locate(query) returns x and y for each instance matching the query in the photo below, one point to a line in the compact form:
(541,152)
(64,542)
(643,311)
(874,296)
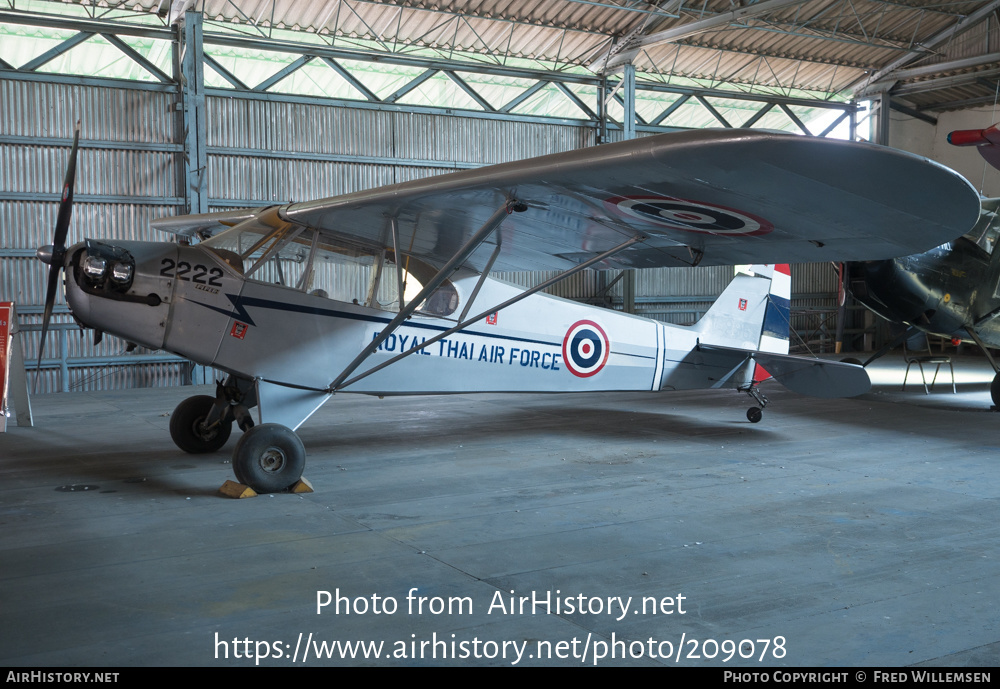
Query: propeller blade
(58,253)
(66,203)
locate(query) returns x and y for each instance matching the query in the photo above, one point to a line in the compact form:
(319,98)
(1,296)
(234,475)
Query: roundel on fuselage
(585,348)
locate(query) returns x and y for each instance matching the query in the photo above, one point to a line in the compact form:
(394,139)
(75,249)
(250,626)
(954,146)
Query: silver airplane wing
(205,224)
(708,197)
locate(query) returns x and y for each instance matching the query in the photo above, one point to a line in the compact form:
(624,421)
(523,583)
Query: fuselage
(944,291)
(199,304)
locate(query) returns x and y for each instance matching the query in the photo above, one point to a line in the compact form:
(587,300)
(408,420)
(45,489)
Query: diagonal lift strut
(464,324)
(473,243)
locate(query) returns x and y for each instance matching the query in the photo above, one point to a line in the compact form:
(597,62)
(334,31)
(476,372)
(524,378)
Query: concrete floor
(859,532)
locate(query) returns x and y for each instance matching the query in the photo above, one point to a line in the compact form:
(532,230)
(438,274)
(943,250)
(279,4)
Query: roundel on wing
(689,216)
(585,348)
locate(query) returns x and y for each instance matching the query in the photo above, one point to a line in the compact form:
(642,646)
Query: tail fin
(752,313)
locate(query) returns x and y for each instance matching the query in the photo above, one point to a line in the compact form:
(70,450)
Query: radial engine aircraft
(299,302)
(953,290)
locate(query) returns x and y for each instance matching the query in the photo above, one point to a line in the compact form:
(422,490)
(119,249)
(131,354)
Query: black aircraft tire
(754,414)
(995,390)
(184,426)
(269,458)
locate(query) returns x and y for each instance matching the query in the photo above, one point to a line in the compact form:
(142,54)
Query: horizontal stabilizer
(809,376)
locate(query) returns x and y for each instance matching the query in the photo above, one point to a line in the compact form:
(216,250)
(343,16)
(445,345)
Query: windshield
(303,259)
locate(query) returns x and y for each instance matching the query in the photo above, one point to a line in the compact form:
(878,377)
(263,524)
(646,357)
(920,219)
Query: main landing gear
(196,426)
(269,458)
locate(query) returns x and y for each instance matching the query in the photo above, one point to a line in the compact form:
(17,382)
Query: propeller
(56,253)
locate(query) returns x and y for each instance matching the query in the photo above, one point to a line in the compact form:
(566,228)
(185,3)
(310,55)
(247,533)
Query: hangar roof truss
(520,57)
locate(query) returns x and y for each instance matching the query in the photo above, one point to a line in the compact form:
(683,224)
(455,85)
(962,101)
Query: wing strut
(397,258)
(527,293)
(482,279)
(450,267)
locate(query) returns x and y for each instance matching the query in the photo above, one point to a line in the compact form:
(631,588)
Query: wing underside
(708,197)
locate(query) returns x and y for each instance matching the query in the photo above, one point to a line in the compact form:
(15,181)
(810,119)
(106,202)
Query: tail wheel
(269,458)
(188,429)
(754,414)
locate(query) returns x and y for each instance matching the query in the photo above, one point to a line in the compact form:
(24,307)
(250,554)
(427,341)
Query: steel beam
(628,101)
(928,45)
(136,57)
(684,30)
(906,110)
(56,51)
(193,112)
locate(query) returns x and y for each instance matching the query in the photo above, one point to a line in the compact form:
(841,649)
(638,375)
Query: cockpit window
(413,274)
(303,259)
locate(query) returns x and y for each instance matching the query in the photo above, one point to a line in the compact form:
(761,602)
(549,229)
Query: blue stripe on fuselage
(241,304)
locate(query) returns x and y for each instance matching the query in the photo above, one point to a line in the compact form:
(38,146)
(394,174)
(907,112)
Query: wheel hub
(205,432)
(272,459)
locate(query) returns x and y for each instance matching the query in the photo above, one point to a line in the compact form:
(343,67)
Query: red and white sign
(6,317)
(14,400)
(239,330)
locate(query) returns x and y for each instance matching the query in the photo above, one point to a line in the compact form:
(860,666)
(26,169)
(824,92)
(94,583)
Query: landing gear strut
(995,385)
(196,426)
(202,424)
(754,414)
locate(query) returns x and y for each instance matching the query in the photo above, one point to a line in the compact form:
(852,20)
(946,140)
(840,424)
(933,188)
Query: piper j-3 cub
(272,297)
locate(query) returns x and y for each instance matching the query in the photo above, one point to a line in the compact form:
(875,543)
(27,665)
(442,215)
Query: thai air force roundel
(585,348)
(689,216)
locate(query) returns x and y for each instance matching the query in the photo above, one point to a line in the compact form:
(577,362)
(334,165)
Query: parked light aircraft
(953,290)
(264,299)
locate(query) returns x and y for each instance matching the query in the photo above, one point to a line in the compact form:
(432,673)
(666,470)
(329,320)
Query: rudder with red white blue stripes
(778,313)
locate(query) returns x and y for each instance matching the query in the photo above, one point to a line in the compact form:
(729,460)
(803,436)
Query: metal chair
(937,360)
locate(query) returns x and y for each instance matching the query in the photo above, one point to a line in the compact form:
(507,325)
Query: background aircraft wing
(708,197)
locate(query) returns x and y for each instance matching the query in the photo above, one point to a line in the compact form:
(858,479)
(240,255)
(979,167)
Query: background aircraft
(263,300)
(953,290)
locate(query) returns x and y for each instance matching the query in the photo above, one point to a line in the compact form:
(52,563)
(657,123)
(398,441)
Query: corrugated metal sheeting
(682,295)
(127,175)
(236,123)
